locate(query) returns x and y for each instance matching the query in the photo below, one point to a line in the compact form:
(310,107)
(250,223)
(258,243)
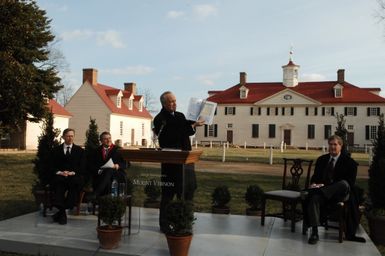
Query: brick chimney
(131,87)
(242,78)
(90,75)
(341,76)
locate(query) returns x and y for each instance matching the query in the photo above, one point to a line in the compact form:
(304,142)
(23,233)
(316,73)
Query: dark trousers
(103,181)
(67,190)
(319,198)
(172,185)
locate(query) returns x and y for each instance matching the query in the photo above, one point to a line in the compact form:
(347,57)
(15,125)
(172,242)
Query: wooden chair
(48,199)
(289,195)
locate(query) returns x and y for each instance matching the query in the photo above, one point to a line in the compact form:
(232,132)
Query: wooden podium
(161,156)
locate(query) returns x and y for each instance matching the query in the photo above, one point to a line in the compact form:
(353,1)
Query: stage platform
(232,235)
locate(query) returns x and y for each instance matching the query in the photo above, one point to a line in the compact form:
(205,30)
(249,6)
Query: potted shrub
(152,192)
(111,210)
(220,198)
(178,226)
(376,207)
(253,198)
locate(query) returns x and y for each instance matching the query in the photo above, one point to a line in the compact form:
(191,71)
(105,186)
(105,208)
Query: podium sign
(161,156)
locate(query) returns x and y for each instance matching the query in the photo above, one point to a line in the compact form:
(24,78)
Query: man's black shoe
(356,239)
(56,217)
(313,238)
(63,218)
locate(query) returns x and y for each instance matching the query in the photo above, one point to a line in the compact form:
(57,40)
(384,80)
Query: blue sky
(191,47)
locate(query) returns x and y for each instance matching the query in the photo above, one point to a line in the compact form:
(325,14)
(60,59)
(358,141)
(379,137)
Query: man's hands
(315,185)
(200,122)
(65,173)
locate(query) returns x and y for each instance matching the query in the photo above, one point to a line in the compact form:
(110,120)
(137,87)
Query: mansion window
(350,127)
(119,102)
(310,131)
(327,131)
(255,130)
(121,128)
(308,112)
(271,130)
(259,111)
(283,111)
(229,110)
(211,130)
(337,92)
(229,126)
(373,111)
(292,111)
(140,106)
(130,104)
(268,111)
(328,111)
(276,111)
(370,132)
(142,129)
(350,111)
(243,94)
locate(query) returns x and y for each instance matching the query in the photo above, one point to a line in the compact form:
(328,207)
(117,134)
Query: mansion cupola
(290,73)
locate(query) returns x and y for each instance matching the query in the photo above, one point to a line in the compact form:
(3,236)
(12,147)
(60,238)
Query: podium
(161,156)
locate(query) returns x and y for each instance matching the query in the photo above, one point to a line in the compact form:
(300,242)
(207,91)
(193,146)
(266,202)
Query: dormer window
(130,104)
(140,106)
(338,91)
(119,101)
(243,91)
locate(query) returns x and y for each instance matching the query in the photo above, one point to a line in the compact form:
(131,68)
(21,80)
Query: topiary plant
(111,209)
(253,197)
(179,218)
(221,196)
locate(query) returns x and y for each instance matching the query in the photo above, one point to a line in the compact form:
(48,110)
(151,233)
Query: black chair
(294,174)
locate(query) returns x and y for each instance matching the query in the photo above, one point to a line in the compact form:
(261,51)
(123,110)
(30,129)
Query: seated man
(67,168)
(103,177)
(333,180)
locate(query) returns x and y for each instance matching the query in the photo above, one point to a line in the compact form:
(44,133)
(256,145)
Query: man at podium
(173,131)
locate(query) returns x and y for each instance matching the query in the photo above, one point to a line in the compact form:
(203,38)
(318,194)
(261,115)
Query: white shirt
(65,146)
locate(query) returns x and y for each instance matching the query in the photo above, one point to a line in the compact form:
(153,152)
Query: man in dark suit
(173,131)
(103,177)
(333,180)
(67,168)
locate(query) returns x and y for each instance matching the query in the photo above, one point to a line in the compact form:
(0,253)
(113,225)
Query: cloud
(175,14)
(209,79)
(108,37)
(129,70)
(203,11)
(313,77)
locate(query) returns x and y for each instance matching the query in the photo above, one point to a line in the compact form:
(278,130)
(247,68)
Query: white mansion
(297,113)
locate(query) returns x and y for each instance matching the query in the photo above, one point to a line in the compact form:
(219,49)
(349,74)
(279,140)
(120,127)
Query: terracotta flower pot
(109,238)
(179,245)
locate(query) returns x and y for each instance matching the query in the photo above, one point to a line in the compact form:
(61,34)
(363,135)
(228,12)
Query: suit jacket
(344,169)
(173,131)
(75,162)
(98,160)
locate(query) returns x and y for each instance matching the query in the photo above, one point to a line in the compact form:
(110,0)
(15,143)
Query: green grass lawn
(16,179)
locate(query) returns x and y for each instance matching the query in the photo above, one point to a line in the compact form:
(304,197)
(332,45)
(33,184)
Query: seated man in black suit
(67,168)
(333,180)
(103,177)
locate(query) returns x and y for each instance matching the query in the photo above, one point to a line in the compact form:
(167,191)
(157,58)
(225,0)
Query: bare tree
(149,100)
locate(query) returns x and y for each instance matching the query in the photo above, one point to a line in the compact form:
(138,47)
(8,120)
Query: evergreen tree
(47,141)
(27,77)
(92,142)
(377,169)
(342,132)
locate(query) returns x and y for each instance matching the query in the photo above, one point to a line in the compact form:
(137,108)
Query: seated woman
(103,170)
